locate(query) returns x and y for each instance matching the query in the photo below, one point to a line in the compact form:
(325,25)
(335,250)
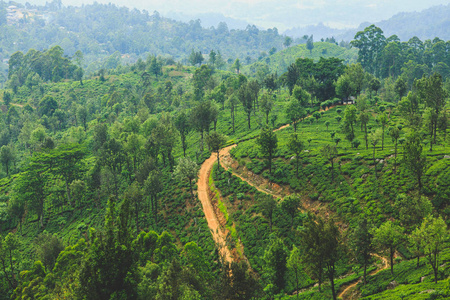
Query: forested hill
(426,24)
(102,30)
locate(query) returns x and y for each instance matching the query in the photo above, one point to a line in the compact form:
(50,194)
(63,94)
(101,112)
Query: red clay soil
(218,234)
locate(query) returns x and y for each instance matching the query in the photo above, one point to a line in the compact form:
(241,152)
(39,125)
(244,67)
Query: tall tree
(110,269)
(413,159)
(374,139)
(294,263)
(215,140)
(387,238)
(296,145)
(268,143)
(329,152)
(430,90)
(186,169)
(363,245)
(370,44)
(153,186)
(364,119)
(394,132)
(266,105)
(268,205)
(434,233)
(232,103)
(295,112)
(7,156)
(275,258)
(321,248)
(383,119)
(246,96)
(310,44)
(290,205)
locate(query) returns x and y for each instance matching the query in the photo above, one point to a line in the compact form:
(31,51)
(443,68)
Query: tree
(412,209)
(310,44)
(31,186)
(374,85)
(350,118)
(183,126)
(237,282)
(320,244)
(66,163)
(215,140)
(7,156)
(48,247)
(383,119)
(8,247)
(153,186)
(374,139)
(212,57)
(268,143)
(186,169)
(413,159)
(370,44)
(296,145)
(394,132)
(266,105)
(388,237)
(237,65)
(415,244)
(400,88)
(363,245)
(295,112)
(275,257)
(47,106)
(290,205)
(155,66)
(443,121)
(329,152)
(364,119)
(287,41)
(113,158)
(343,87)
(110,268)
(195,57)
(434,234)
(246,96)
(301,95)
(268,205)
(294,263)
(201,118)
(7,98)
(232,103)
(82,116)
(292,75)
(430,90)
(134,195)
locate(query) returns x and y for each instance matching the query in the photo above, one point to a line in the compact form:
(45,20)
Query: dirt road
(203,194)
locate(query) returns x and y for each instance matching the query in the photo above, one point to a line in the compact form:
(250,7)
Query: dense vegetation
(99,173)
(108,35)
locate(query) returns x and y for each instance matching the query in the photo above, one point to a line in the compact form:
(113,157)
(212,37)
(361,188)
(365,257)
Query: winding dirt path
(351,286)
(218,234)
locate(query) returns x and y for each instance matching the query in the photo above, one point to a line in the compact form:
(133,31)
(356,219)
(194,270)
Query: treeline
(389,57)
(100,30)
(50,65)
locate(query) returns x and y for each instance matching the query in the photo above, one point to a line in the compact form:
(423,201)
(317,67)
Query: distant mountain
(319,31)
(426,24)
(209,20)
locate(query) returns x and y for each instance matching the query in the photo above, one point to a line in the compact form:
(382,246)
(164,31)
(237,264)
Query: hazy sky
(282,14)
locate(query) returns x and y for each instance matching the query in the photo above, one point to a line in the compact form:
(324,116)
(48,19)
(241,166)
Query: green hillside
(279,62)
(110,187)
